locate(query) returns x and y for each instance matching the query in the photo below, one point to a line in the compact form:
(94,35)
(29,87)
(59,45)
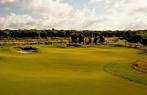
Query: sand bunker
(27,50)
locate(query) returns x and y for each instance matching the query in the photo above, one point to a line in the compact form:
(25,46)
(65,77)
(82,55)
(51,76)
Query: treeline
(130,36)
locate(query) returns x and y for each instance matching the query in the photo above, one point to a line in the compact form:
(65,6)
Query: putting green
(71,71)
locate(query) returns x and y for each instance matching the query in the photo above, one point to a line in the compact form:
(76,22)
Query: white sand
(25,52)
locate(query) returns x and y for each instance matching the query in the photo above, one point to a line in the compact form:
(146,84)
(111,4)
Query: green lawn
(71,71)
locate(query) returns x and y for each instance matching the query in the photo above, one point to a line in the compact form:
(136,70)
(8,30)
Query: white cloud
(98,14)
(14,21)
(124,14)
(6,1)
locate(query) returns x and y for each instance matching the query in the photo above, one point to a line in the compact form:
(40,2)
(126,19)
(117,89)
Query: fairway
(102,70)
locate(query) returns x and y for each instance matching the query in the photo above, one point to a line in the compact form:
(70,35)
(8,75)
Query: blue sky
(73,14)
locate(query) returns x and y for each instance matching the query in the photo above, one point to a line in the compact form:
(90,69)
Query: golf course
(102,70)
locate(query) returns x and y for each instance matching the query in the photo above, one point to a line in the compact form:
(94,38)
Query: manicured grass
(71,71)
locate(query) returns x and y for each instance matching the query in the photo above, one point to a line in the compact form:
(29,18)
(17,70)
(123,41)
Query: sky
(74,14)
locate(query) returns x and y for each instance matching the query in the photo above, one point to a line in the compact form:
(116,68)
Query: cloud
(124,14)
(14,21)
(6,1)
(95,15)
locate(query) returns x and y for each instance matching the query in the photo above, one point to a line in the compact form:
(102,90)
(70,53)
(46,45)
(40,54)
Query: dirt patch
(140,66)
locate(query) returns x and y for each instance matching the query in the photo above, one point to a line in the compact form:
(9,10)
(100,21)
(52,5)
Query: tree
(144,41)
(96,39)
(134,39)
(102,39)
(74,38)
(81,38)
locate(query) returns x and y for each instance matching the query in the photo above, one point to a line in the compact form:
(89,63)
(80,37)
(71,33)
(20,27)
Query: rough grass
(64,71)
(140,66)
